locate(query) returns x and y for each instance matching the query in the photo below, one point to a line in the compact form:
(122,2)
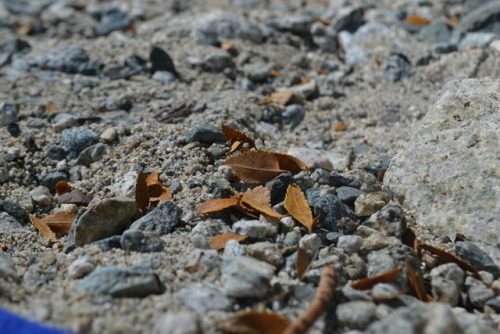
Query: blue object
(14,324)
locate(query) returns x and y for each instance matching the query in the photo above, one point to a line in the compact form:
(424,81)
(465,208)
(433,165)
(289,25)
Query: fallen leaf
(219,241)
(228,46)
(416,282)
(302,262)
(296,204)
(255,166)
(141,192)
(43,228)
(236,137)
(157,192)
(282,97)
(215,205)
(276,74)
(417,20)
(60,222)
(448,257)
(410,239)
(289,162)
(259,194)
(339,127)
(256,322)
(50,107)
(259,208)
(368,283)
(62,187)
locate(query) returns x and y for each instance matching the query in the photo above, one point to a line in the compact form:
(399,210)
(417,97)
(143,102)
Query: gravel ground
(85,99)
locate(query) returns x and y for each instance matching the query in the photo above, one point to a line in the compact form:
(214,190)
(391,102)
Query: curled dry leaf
(448,257)
(219,241)
(283,97)
(410,239)
(62,187)
(368,283)
(259,194)
(339,127)
(302,262)
(157,192)
(296,204)
(416,282)
(59,222)
(289,163)
(255,166)
(216,205)
(256,322)
(417,20)
(141,192)
(236,138)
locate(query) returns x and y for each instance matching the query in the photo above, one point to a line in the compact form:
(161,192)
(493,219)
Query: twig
(318,305)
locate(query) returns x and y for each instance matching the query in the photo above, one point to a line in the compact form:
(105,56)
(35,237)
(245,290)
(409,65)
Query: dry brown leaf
(228,46)
(282,97)
(62,187)
(410,239)
(417,20)
(259,194)
(219,241)
(302,262)
(50,107)
(60,222)
(416,282)
(255,166)
(296,204)
(339,127)
(448,257)
(216,205)
(43,228)
(259,208)
(236,137)
(276,74)
(289,162)
(368,283)
(257,322)
(141,192)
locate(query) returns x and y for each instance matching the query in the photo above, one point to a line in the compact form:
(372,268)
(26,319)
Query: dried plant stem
(318,305)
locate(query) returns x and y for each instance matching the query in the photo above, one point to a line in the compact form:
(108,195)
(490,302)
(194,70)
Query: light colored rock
(447,172)
(109,135)
(7,268)
(41,196)
(81,267)
(366,205)
(177,323)
(254,228)
(203,298)
(7,222)
(447,282)
(316,158)
(244,276)
(350,243)
(203,231)
(310,241)
(265,251)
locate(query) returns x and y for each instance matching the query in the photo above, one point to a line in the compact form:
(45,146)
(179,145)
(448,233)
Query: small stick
(318,305)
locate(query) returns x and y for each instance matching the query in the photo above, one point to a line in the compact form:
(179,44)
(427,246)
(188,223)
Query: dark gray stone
(348,195)
(331,210)
(494,303)
(205,133)
(424,58)
(217,62)
(56,152)
(138,281)
(15,45)
(396,68)
(111,20)
(76,140)
(92,154)
(161,61)
(278,187)
(15,211)
(109,243)
(349,17)
(142,242)
(445,47)
(295,25)
(484,18)
(293,115)
(8,113)
(50,180)
(337,180)
(471,253)
(292,238)
(161,220)
(390,221)
(69,58)
(437,31)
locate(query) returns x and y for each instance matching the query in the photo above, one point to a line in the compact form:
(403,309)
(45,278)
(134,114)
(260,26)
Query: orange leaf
(228,46)
(257,322)
(416,282)
(289,163)
(448,257)
(255,166)
(282,97)
(141,192)
(219,241)
(43,228)
(302,262)
(417,20)
(234,136)
(296,204)
(368,283)
(60,222)
(216,205)
(259,194)
(260,208)
(339,127)
(62,187)
(410,239)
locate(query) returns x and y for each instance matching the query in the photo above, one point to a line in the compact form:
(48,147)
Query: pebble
(396,68)
(7,268)
(350,244)
(206,134)
(161,61)
(8,113)
(356,314)
(109,135)
(77,139)
(112,19)
(50,180)
(245,276)
(204,298)
(471,253)
(447,282)
(254,229)
(142,242)
(15,211)
(264,251)
(137,281)
(482,18)
(160,220)
(182,322)
(41,196)
(390,220)
(348,195)
(292,238)
(56,152)
(310,241)
(331,210)
(206,229)
(205,259)
(104,219)
(478,292)
(81,267)
(7,222)
(232,249)
(435,32)
(293,115)
(325,37)
(366,205)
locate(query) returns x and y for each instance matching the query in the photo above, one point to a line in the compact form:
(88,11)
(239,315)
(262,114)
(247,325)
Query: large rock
(449,172)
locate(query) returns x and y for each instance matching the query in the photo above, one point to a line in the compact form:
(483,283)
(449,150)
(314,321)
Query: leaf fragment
(448,257)
(141,192)
(236,138)
(289,162)
(416,282)
(339,127)
(417,20)
(43,228)
(255,166)
(260,208)
(59,222)
(219,241)
(259,194)
(368,283)
(257,322)
(302,262)
(215,205)
(296,204)
(283,97)
(62,187)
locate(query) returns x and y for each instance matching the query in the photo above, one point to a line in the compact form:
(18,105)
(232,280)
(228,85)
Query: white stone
(109,134)
(81,267)
(177,323)
(254,228)
(310,241)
